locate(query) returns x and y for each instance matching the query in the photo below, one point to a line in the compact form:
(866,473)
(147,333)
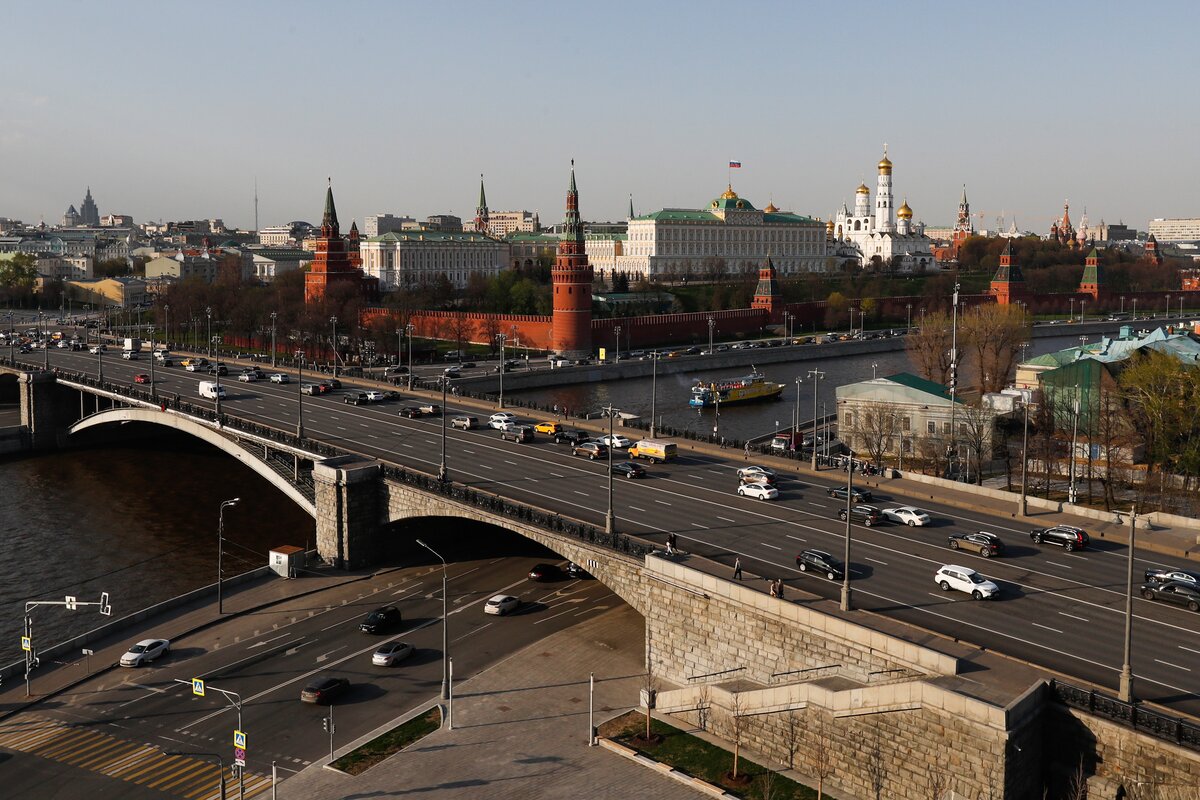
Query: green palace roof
(432,236)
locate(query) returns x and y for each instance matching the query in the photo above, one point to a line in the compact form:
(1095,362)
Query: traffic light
(325,724)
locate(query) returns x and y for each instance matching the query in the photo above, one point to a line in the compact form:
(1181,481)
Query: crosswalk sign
(239,740)
(198,687)
(26,644)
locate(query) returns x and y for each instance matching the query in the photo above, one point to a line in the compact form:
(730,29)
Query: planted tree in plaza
(822,759)
(737,724)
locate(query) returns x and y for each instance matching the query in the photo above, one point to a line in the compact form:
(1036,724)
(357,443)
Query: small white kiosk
(287,560)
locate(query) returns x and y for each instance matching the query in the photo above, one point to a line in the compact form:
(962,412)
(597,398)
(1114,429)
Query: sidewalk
(521,730)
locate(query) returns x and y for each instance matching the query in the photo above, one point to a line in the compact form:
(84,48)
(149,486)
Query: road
(116,734)
(1060,610)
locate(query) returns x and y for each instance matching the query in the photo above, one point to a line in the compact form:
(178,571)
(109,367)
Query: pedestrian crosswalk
(181,775)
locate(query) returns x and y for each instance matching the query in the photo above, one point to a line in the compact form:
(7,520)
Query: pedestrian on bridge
(671,544)
(737,568)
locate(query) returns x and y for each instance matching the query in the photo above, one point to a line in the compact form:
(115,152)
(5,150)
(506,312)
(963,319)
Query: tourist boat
(748,388)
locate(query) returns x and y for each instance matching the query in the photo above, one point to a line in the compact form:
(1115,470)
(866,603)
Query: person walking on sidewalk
(671,544)
(737,568)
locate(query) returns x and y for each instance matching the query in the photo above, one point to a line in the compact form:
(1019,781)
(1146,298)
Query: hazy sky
(171,110)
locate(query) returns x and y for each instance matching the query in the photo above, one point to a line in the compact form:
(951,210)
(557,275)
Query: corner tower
(767,295)
(1008,284)
(572,281)
(332,261)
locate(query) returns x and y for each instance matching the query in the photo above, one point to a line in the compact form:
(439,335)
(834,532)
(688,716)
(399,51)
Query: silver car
(391,654)
(145,651)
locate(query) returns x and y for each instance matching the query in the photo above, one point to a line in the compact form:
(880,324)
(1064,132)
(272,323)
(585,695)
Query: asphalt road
(1057,609)
(114,734)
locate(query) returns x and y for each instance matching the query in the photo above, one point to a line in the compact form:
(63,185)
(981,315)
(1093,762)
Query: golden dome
(829,226)
(729,193)
(905,212)
(770,209)
(862,189)
(885,163)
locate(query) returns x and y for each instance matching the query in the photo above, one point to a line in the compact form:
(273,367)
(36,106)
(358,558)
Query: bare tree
(929,348)
(937,782)
(875,766)
(791,736)
(976,426)
(766,785)
(703,706)
(872,428)
(650,685)
(737,724)
(822,759)
(1077,786)
(992,336)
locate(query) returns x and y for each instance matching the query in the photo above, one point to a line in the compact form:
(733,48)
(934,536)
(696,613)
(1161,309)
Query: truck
(654,450)
(132,345)
(212,390)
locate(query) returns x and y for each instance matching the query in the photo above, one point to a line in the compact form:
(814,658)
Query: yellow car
(548,427)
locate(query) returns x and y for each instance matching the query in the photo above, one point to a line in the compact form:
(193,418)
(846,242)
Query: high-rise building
(1175,230)
(88,213)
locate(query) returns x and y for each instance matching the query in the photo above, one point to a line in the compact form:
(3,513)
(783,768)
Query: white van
(211,390)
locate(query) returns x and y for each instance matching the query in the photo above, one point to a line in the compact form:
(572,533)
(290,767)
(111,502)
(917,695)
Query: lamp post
(610,520)
(874,371)
(99,359)
(796,415)
(1022,507)
(1122,304)
(1126,689)
(617,343)
(1181,306)
(954,374)
(442,469)
(653,389)
(1072,494)
(1134,306)
(909,307)
(502,337)
(45,352)
(208,313)
(445,623)
(816,376)
(274,315)
(12,341)
(846,594)
(333,342)
(712,323)
(167,324)
(409,330)
(1166,308)
(221,549)
(1082,310)
(1071,317)
(300,395)
(220,762)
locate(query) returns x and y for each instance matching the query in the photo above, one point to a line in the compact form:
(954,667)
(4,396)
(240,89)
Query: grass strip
(360,759)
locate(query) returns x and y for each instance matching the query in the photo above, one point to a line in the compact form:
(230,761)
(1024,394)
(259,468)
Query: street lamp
(502,337)
(1071,318)
(1122,304)
(712,323)
(220,762)
(274,315)
(1126,689)
(300,395)
(909,307)
(167,323)
(1134,306)
(208,313)
(617,351)
(442,469)
(874,371)
(1082,310)
(1023,508)
(409,330)
(954,373)
(796,416)
(221,549)
(653,389)
(333,342)
(1072,494)
(816,376)
(445,622)
(846,595)
(610,520)
(1166,308)
(99,359)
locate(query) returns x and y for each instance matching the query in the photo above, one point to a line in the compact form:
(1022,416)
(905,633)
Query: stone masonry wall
(347,502)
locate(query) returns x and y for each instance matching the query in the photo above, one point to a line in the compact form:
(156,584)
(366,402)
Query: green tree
(19,271)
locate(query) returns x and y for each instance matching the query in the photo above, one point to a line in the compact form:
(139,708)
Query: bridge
(712,643)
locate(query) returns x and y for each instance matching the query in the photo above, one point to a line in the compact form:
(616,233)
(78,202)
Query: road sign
(88,652)
(26,644)
(239,740)
(198,687)
(239,756)
(105,608)
(71,603)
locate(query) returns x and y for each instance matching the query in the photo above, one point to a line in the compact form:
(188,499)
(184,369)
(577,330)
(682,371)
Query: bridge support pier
(347,501)
(39,410)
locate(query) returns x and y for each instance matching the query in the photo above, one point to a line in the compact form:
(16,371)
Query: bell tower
(572,282)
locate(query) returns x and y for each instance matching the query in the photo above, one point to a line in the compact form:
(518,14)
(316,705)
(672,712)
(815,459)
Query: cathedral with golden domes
(880,233)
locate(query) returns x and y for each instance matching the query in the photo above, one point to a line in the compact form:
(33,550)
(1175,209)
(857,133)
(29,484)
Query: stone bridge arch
(207,432)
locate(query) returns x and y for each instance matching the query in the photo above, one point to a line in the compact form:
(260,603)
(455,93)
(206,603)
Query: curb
(664,769)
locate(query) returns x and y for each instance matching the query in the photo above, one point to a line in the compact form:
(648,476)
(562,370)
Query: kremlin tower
(482,220)
(1008,284)
(333,260)
(572,281)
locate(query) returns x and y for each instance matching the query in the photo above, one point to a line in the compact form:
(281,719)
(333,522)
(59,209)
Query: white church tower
(885,207)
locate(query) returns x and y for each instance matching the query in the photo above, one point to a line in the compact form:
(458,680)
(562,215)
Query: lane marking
(876,560)
(1169,664)
(555,474)
(1046,627)
(585,494)
(635,508)
(1056,564)
(1073,616)
(727,519)
(698,525)
(662,502)
(797,538)
(773,547)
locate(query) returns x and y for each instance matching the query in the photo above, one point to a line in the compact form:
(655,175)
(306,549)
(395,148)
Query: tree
(703,706)
(929,348)
(650,685)
(822,763)
(875,765)
(737,723)
(791,736)
(976,424)
(993,334)
(872,428)
(19,271)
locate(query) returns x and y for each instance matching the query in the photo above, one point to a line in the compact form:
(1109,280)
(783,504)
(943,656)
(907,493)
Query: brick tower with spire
(962,226)
(1150,252)
(1008,284)
(767,295)
(333,262)
(572,282)
(1090,284)
(482,221)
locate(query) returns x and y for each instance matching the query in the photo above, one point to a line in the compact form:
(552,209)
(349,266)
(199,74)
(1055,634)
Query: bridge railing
(553,523)
(1131,715)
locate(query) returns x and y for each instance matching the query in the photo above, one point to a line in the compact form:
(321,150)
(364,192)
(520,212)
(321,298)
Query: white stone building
(880,231)
(408,258)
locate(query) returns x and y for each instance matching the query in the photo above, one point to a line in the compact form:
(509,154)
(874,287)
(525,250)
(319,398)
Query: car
(548,427)
(255,371)
(452,372)
(761,491)
(196,366)
(468,365)
(907,515)
(280,377)
(628,469)
(545,572)
(516,433)
(820,561)
(394,371)
(577,572)
(451,355)
(356,399)
(412,412)
(332,383)
(592,450)
(616,441)
(324,387)
(218,369)
(465,423)
(145,651)
(858,495)
(310,388)
(391,654)
(498,419)
(141,378)
(94,349)
(982,542)
(247,377)
(754,469)
(375,396)
(572,437)
(324,689)
(381,620)
(431,409)
(1165,574)
(512,363)
(1184,594)
(952,576)
(557,362)
(1068,537)
(864,515)
(501,604)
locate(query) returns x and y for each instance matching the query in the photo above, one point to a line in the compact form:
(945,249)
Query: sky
(172,110)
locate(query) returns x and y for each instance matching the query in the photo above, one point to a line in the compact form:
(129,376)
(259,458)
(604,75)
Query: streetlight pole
(610,520)
(1072,493)
(1122,304)
(274,315)
(1134,306)
(909,307)
(1126,689)
(712,323)
(221,549)
(445,622)
(409,330)
(1023,507)
(208,313)
(846,594)
(333,342)
(1072,312)
(954,375)
(816,376)
(502,337)
(442,477)
(617,350)
(653,389)
(167,324)
(300,395)
(99,359)
(1166,308)
(796,416)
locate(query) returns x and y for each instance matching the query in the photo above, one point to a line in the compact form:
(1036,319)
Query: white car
(129,355)
(762,491)
(907,515)
(194,367)
(616,441)
(280,377)
(391,653)
(375,396)
(501,604)
(965,580)
(452,372)
(145,651)
(248,377)
(754,469)
(498,419)
(97,348)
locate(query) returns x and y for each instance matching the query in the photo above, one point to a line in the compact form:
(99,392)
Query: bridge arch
(205,432)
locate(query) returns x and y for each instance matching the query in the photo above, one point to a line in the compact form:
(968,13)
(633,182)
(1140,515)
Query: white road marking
(1190,650)
(1072,616)
(340,428)
(515,464)
(797,538)
(325,656)
(698,525)
(585,494)
(1046,627)
(818,505)
(470,632)
(555,474)
(406,444)
(635,508)
(662,502)
(472,452)
(727,519)
(1056,564)
(266,641)
(773,547)
(876,560)
(1169,664)
(716,472)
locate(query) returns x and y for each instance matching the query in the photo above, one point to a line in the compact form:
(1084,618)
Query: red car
(141,378)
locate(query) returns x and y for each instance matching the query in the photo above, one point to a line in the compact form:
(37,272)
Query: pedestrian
(556,409)
(737,568)
(722,442)
(747,455)
(779,588)
(774,592)
(671,544)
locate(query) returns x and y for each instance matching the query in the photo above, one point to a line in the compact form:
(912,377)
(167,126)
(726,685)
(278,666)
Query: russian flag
(735,165)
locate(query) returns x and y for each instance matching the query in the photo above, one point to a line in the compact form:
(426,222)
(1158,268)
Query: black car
(1178,592)
(864,515)
(356,399)
(381,620)
(1164,574)
(1067,537)
(324,689)
(982,542)
(545,572)
(332,383)
(572,437)
(820,561)
(860,495)
(218,369)
(412,412)
(628,469)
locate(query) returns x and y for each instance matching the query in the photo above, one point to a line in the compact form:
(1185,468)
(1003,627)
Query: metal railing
(1132,715)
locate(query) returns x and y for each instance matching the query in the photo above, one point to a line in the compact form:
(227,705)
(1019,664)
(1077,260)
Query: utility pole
(816,376)
(1023,507)
(1072,494)
(273,316)
(846,595)
(610,520)
(953,452)
(653,389)
(501,337)
(1126,690)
